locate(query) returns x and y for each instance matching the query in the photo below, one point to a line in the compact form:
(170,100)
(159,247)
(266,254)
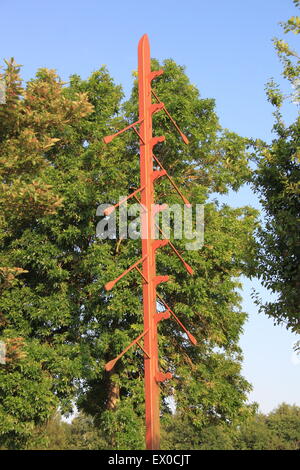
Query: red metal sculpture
(153,376)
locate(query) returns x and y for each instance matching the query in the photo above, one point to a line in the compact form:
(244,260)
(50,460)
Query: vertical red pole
(149,288)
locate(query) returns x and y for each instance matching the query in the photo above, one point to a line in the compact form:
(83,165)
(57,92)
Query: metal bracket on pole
(162,377)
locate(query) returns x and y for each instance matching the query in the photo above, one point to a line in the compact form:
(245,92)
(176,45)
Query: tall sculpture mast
(148,175)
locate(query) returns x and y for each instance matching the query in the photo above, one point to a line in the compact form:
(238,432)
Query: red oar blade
(185,264)
(108,139)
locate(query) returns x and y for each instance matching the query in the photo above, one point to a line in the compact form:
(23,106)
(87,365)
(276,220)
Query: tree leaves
(276,180)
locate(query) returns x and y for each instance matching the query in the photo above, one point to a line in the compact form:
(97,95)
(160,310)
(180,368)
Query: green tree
(276,180)
(278,430)
(35,305)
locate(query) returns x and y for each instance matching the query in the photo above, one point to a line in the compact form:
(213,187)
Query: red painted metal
(184,137)
(109,365)
(148,175)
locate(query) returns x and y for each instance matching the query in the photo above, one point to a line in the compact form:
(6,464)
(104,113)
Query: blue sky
(228,53)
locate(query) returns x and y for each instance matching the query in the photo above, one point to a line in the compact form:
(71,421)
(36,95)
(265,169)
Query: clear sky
(228,53)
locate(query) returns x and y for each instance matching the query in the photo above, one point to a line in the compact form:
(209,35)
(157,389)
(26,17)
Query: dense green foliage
(277,182)
(35,303)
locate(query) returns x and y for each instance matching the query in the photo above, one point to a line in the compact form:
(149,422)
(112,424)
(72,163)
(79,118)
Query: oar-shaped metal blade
(184,137)
(186,265)
(109,365)
(110,209)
